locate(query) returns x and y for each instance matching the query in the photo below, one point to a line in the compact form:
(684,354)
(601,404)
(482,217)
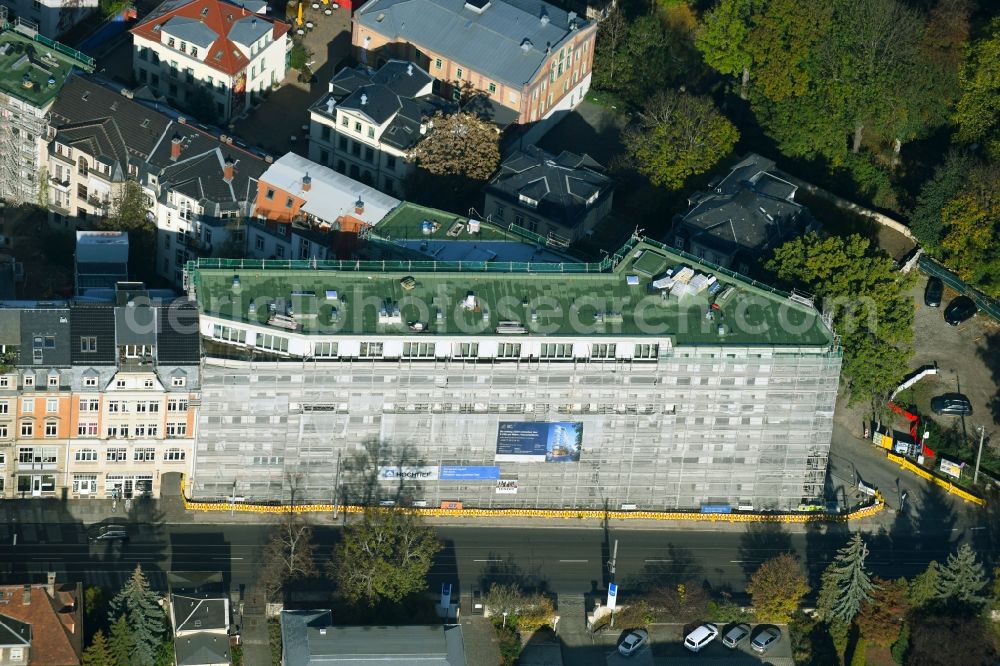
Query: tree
(386,557)
(923,587)
(143,615)
(882,617)
(298,56)
(777,587)
(961,581)
(722,38)
(977,113)
(927,222)
(612,33)
(98,653)
(683,602)
(971,221)
(948,640)
(128,212)
(867,297)
(678,136)
(783,45)
(527,612)
(120,642)
(846,585)
(289,555)
(459,144)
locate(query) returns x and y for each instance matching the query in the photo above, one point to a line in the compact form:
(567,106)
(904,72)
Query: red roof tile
(55,635)
(217,15)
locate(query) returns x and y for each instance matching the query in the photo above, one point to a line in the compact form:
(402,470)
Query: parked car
(960,309)
(765,639)
(933,292)
(634,641)
(108,533)
(951,404)
(736,635)
(701,637)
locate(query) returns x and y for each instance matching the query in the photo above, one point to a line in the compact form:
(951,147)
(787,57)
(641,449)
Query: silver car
(765,639)
(736,635)
(633,642)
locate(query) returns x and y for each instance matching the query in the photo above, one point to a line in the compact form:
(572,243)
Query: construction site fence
(935,479)
(988,305)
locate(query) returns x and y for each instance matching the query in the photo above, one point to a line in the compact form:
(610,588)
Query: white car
(633,642)
(701,637)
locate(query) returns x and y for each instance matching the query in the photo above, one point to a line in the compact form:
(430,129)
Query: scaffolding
(21,128)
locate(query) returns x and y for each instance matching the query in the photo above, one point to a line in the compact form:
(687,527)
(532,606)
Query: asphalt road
(563,560)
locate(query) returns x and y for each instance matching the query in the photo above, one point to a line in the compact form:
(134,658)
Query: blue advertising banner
(716,508)
(560,441)
(470,472)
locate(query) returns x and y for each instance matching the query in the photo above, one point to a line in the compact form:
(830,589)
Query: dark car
(933,292)
(959,310)
(108,533)
(951,404)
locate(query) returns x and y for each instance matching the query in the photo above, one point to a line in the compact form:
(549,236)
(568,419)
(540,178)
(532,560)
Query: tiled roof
(177,341)
(217,18)
(55,631)
(14,633)
(52,326)
(201,649)
(92,320)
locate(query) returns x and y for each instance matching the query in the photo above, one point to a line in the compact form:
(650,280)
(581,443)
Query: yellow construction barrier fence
(933,478)
(810,517)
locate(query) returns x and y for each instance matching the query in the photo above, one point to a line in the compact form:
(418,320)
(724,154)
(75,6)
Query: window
(51,406)
(90,382)
(86,455)
(357,127)
(4,408)
(3,432)
(178,382)
(602,351)
(174,455)
(646,351)
(500,211)
(177,430)
(148,383)
(344,121)
(51,429)
(324,132)
(84,484)
(114,406)
(178,404)
(437,63)
(342,143)
(53,381)
(272,342)
(325,349)
(120,383)
(371,132)
(465,349)
(90,404)
(117,454)
(371,350)
(418,350)
(550,350)
(29,381)
(4,382)
(458,73)
(184,46)
(258,242)
(144,454)
(289,203)
(86,429)
(88,344)
(194,53)
(269,195)
(27,429)
(16,654)
(28,406)
(390,162)
(279,250)
(170,42)
(493,88)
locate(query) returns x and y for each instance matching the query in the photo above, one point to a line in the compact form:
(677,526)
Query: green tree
(924,587)
(867,296)
(962,580)
(777,587)
(948,640)
(120,642)
(98,653)
(143,615)
(298,56)
(977,113)
(722,38)
(927,222)
(882,617)
(384,557)
(783,45)
(678,136)
(128,212)
(459,144)
(845,585)
(971,222)
(609,51)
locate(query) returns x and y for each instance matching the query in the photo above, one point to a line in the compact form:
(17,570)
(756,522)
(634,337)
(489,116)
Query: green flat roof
(610,298)
(405,222)
(38,61)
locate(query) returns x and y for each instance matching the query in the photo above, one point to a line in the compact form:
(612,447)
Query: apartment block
(648,380)
(50,18)
(97,396)
(211,56)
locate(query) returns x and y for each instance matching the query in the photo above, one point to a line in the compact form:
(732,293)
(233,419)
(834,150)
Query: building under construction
(33,69)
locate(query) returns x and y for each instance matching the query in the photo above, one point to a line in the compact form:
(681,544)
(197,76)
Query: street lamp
(979,456)
(504,620)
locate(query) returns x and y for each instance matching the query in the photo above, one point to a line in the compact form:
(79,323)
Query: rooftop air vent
(526,45)
(478,6)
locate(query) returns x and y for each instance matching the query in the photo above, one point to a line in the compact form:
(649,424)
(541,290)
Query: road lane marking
(487,560)
(659,560)
(227,558)
(739,561)
(573,561)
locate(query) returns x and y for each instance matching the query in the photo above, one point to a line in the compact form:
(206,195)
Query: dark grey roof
(135,324)
(10,327)
(201,649)
(13,632)
(83,100)
(196,583)
(375,101)
(249,29)
(406,79)
(749,209)
(309,640)
(100,139)
(178,339)
(193,613)
(93,320)
(190,30)
(45,328)
(507,41)
(562,186)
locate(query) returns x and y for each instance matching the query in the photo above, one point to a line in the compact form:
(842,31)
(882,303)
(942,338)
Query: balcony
(61,184)
(100,202)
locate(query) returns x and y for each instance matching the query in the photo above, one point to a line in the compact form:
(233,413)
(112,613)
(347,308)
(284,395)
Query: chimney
(175,148)
(364,99)
(26,595)
(409,69)
(50,584)
(359,206)
(227,170)
(306,182)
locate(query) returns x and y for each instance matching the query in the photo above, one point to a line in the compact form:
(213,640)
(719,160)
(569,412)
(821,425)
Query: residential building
(741,216)
(524,55)
(199,615)
(643,381)
(212,54)
(33,69)
(98,396)
(304,210)
(369,121)
(41,625)
(308,638)
(102,138)
(50,18)
(561,198)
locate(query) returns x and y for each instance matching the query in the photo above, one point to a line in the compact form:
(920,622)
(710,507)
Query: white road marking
(572,560)
(487,560)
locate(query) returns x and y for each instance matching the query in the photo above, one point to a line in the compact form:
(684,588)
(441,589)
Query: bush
(728,611)
(858,658)
(298,56)
(509,643)
(902,644)
(634,615)
(274,638)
